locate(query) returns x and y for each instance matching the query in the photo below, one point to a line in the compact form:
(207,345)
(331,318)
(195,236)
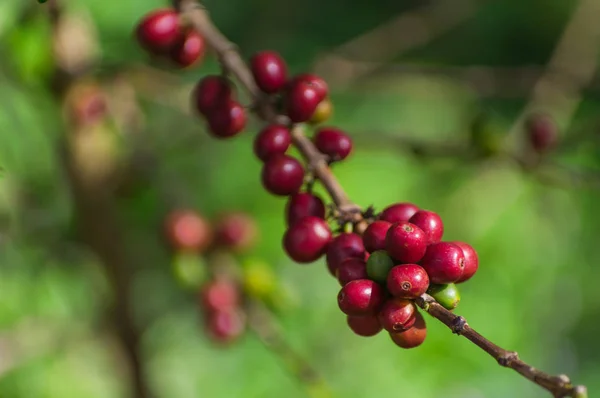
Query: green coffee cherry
(486,135)
(189,269)
(259,279)
(379,265)
(447,295)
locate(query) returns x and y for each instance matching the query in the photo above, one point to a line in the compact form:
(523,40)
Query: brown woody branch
(233,63)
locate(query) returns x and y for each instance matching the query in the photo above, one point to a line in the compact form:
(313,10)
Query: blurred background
(425,88)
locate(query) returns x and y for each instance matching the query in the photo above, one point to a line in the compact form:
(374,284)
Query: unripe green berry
(447,295)
(189,269)
(379,265)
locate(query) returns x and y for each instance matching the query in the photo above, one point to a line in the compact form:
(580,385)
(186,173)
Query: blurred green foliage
(536,291)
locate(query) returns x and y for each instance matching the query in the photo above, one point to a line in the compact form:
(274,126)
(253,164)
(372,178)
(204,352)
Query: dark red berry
(351,269)
(366,325)
(282,175)
(304,204)
(361,297)
(379,265)
(398,212)
(189,49)
(237,231)
(344,246)
(413,337)
(220,295)
(211,92)
(225,326)
(542,132)
(269,70)
(333,142)
(227,120)
(397,314)
(431,223)
(314,81)
(471,261)
(444,262)
(158,30)
(301,102)
(274,139)
(188,230)
(407,281)
(307,240)
(406,242)
(374,235)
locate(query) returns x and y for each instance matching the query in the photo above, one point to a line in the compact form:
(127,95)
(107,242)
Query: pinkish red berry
(406,242)
(282,175)
(361,297)
(302,100)
(397,314)
(187,230)
(343,246)
(304,204)
(225,326)
(444,262)
(542,132)
(307,240)
(314,81)
(237,231)
(374,235)
(274,139)
(211,92)
(188,50)
(413,337)
(431,223)
(333,142)
(269,70)
(351,269)
(158,30)
(398,212)
(220,295)
(407,281)
(471,261)
(366,325)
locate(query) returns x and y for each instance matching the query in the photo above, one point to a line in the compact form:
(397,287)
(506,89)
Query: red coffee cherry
(361,297)
(225,326)
(315,82)
(227,120)
(444,262)
(407,281)
(301,102)
(211,92)
(282,175)
(342,247)
(220,295)
(413,337)
(431,223)
(188,230)
(303,204)
(189,49)
(351,269)
(397,315)
(406,242)
(158,30)
(274,139)
(471,261)
(366,325)
(307,240)
(237,231)
(398,212)
(333,142)
(374,235)
(269,70)
(542,132)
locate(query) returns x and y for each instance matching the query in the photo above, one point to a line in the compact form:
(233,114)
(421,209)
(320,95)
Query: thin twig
(235,65)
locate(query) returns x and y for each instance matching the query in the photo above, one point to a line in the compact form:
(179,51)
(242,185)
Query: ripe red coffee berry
(343,246)
(444,262)
(225,326)
(301,102)
(351,269)
(361,297)
(303,204)
(407,281)
(158,30)
(227,120)
(211,92)
(366,326)
(406,242)
(542,132)
(374,235)
(430,223)
(237,231)
(220,295)
(188,230)
(320,86)
(397,314)
(333,142)
(398,212)
(413,337)
(274,139)
(282,175)
(471,261)
(188,50)
(269,70)
(307,240)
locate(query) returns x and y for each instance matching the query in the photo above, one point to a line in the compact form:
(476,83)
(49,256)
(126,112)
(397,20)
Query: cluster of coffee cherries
(162,33)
